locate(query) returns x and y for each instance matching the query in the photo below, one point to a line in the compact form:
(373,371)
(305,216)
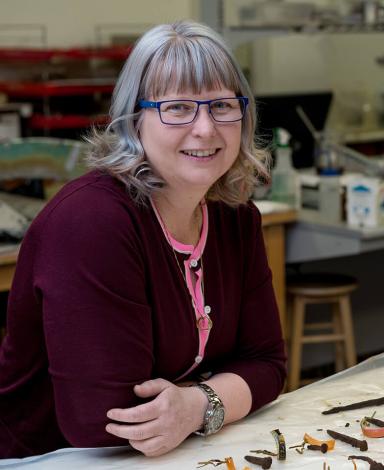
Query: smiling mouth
(200,153)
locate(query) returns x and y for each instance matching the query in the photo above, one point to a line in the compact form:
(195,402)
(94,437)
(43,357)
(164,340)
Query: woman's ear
(138,123)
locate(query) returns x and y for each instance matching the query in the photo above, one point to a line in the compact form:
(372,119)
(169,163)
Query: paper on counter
(293,414)
(268,207)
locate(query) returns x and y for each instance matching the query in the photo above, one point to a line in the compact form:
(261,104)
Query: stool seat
(321,284)
(320,288)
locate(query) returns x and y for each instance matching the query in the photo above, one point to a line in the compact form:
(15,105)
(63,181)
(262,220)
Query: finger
(150,447)
(137,433)
(151,387)
(187,383)
(136,414)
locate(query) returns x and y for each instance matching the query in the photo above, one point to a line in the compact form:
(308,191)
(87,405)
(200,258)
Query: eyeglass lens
(183,112)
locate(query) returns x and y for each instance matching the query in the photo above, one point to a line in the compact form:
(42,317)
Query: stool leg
(337,328)
(296,336)
(288,325)
(347,324)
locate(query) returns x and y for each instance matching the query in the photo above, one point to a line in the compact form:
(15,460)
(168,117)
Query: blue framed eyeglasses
(178,112)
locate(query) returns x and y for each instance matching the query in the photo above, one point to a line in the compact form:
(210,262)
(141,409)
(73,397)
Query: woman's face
(190,156)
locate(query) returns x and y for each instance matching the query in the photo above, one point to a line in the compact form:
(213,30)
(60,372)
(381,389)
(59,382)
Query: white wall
(72,22)
(290,64)
(352,61)
(299,63)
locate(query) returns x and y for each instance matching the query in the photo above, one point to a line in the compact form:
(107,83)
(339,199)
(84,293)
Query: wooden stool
(320,288)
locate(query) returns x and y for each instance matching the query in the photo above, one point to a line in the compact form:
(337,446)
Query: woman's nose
(204,125)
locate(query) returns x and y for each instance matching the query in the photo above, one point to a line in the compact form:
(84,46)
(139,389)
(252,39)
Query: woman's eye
(221,105)
(178,108)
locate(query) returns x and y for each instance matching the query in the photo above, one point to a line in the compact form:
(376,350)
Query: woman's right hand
(161,424)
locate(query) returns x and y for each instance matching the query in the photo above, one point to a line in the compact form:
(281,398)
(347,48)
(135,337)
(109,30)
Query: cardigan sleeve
(259,356)
(89,276)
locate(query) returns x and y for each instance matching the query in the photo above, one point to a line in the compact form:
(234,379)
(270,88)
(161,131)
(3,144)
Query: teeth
(200,153)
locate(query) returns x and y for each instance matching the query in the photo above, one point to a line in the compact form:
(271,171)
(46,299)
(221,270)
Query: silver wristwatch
(214,414)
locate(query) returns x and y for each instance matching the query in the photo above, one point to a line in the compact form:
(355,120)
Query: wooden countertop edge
(275,218)
(9,257)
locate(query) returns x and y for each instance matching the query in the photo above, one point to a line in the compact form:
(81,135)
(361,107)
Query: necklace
(203,322)
(193,280)
(202,311)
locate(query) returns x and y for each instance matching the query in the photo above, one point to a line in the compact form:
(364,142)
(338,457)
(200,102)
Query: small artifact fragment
(280,443)
(362,445)
(298,448)
(264,462)
(230,463)
(217,462)
(265,452)
(323,448)
(355,406)
(214,462)
(311,440)
(373,465)
(368,430)
(375,421)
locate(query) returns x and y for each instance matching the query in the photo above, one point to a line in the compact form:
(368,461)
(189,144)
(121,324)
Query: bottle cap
(282,137)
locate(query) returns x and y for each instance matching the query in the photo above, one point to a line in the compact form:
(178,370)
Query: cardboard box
(365,202)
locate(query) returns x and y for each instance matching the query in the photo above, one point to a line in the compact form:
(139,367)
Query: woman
(149,273)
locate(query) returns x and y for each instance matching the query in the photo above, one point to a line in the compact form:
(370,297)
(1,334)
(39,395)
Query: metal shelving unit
(212,12)
(43,89)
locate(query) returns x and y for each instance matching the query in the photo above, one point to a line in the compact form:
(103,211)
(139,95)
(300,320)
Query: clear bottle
(285,185)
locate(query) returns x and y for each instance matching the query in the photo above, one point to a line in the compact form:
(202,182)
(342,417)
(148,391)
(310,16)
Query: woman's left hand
(163,423)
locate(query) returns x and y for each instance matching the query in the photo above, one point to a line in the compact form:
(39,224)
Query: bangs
(186,66)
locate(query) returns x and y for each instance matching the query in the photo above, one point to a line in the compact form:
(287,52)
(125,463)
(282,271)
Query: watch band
(214,414)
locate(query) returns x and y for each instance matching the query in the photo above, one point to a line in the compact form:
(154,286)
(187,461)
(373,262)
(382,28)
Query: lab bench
(312,238)
(294,414)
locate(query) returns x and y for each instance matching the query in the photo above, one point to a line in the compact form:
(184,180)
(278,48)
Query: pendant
(204,323)
(207,309)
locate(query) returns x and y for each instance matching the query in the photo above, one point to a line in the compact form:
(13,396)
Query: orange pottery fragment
(311,440)
(369,431)
(230,463)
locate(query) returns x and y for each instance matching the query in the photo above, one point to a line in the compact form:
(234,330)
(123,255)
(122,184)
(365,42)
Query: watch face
(215,412)
(216,420)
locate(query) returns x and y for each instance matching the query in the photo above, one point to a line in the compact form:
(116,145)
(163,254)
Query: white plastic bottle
(285,185)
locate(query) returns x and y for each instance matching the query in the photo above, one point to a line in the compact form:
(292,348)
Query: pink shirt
(193,276)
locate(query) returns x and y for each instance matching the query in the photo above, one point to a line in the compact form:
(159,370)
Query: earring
(144,167)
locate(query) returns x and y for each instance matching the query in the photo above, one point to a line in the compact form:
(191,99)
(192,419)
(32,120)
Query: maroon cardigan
(97,306)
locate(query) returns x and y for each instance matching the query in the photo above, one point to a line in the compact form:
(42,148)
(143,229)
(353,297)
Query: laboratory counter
(293,415)
(313,238)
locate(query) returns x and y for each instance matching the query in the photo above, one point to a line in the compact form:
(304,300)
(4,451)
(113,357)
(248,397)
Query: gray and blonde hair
(184,56)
